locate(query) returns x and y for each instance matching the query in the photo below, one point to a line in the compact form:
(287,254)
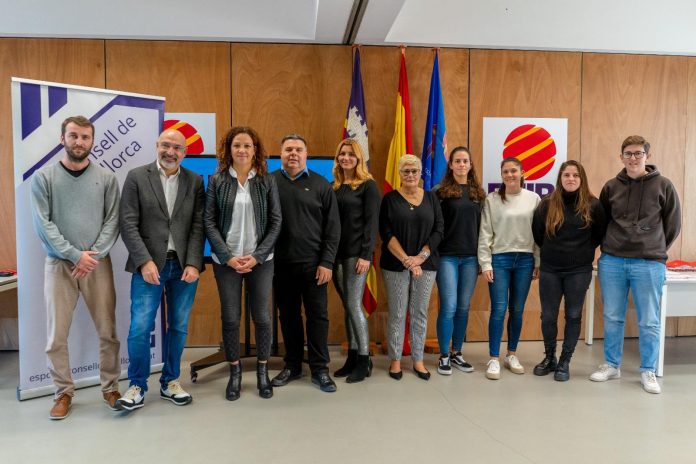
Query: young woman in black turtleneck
(568,225)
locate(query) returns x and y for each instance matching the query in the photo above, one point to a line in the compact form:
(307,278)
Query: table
(678,299)
(8,283)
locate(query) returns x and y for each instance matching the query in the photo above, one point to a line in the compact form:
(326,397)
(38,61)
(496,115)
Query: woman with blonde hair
(411,226)
(358,207)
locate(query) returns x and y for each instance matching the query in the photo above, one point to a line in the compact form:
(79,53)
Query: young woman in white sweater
(509,260)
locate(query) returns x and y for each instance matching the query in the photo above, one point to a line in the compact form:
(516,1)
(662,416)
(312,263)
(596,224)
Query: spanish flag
(355,127)
(401,142)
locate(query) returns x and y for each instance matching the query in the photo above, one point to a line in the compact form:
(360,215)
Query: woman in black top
(568,225)
(358,207)
(242,222)
(461,198)
(410,224)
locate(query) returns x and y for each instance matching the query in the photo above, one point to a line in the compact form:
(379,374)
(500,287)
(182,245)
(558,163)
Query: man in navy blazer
(161,222)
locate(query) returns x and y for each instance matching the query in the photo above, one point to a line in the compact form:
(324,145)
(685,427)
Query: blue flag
(355,126)
(434,155)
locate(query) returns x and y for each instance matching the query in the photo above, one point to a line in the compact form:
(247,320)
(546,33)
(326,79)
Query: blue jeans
(645,279)
(145,300)
(512,276)
(456,280)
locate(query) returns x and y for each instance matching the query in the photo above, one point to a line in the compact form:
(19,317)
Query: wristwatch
(425,254)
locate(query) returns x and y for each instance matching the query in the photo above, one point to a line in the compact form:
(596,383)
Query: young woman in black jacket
(567,226)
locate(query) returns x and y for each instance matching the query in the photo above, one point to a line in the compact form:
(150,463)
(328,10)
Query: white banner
(541,144)
(126,130)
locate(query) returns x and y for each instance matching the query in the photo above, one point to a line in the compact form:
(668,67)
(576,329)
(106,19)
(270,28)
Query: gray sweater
(74,214)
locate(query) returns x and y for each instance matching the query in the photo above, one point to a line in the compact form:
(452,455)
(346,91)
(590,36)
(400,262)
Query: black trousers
(295,284)
(258,282)
(572,287)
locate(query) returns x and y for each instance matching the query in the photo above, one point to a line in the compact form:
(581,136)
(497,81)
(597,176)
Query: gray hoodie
(644,215)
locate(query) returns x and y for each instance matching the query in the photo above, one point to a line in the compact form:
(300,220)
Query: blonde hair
(408,160)
(361,172)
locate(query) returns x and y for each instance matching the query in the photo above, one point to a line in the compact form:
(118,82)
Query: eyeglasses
(636,154)
(167,146)
(410,172)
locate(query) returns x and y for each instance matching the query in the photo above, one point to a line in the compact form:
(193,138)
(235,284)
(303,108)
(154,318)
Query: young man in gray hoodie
(644,219)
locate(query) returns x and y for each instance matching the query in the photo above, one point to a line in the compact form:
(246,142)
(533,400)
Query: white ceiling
(631,26)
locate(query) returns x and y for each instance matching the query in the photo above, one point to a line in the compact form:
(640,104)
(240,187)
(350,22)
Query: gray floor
(461,418)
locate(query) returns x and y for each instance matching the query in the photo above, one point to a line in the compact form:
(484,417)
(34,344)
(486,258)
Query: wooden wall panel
(518,84)
(687,325)
(283,89)
(634,94)
(194,77)
(79,62)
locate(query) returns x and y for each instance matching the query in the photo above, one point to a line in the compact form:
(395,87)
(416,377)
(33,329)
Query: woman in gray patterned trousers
(411,227)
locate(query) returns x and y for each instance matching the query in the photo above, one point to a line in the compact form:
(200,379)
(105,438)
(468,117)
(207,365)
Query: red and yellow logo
(534,147)
(194,141)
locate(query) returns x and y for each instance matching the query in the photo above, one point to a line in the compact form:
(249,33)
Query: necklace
(411,206)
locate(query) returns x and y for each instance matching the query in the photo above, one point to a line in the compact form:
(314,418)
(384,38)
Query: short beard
(75,158)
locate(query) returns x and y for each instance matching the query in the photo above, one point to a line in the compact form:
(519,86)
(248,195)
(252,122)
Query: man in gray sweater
(75,214)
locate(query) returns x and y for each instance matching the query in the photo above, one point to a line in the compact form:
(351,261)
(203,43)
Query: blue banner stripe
(57,98)
(30,97)
(123,100)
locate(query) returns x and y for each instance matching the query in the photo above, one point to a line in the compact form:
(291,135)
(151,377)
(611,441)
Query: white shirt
(241,238)
(170,185)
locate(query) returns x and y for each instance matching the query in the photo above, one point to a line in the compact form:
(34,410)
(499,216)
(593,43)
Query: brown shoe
(61,407)
(110,398)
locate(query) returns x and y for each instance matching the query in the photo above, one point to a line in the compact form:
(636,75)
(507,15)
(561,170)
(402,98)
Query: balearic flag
(434,155)
(401,142)
(355,127)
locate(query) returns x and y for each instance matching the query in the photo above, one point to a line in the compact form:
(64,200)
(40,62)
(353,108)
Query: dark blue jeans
(145,300)
(456,280)
(512,276)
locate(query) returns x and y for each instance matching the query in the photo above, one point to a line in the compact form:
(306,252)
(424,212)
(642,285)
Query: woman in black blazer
(242,222)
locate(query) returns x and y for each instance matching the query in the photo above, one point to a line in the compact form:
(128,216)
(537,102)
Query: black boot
(548,364)
(234,386)
(363,368)
(263,383)
(563,369)
(348,367)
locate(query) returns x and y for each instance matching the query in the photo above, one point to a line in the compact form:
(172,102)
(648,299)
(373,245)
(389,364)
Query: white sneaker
(649,382)
(443,365)
(132,399)
(512,363)
(175,394)
(493,369)
(606,372)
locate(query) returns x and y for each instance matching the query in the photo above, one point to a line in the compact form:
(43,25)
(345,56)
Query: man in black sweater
(304,254)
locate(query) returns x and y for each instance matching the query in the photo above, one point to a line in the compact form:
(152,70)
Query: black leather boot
(563,369)
(548,364)
(263,383)
(348,367)
(234,386)
(363,368)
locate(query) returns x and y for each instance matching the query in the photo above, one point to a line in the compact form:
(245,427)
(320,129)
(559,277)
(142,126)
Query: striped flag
(434,155)
(401,142)
(355,127)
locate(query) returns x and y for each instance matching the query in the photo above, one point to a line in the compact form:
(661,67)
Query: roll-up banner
(126,129)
